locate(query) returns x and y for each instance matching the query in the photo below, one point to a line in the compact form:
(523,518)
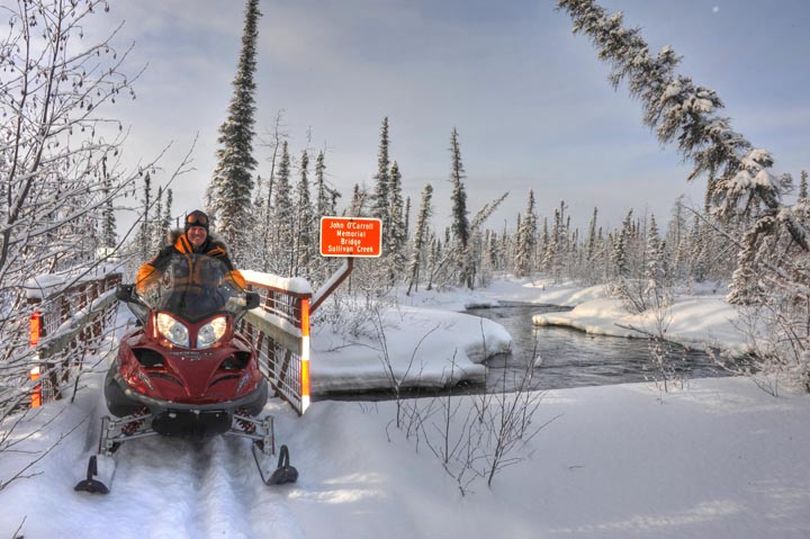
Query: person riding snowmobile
(195,239)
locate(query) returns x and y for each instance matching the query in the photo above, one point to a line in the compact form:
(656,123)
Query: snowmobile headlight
(211,332)
(173,330)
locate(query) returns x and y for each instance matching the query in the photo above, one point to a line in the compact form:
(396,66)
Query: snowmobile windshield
(194,287)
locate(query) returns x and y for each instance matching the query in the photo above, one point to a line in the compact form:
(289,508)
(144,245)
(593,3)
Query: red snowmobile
(185,371)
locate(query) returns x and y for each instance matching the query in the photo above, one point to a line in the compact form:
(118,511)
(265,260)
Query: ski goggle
(197,219)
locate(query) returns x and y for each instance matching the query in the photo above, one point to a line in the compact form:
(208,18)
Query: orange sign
(351,236)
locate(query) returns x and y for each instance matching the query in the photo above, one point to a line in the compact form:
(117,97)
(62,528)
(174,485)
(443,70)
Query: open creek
(565,357)
(559,357)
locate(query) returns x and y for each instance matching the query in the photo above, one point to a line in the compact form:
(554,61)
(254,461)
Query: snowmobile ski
(100,471)
(284,473)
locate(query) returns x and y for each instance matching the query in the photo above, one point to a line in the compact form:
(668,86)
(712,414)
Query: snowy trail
(190,488)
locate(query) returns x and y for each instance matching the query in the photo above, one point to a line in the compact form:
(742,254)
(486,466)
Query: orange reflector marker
(305,318)
(304,355)
(36,393)
(35,328)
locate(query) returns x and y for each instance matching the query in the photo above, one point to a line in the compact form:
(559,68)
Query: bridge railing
(279,330)
(66,326)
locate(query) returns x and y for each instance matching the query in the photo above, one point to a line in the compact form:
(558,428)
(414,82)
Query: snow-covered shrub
(779,339)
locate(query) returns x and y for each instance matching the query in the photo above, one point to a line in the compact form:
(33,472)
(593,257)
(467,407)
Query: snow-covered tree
(396,235)
(158,232)
(551,262)
(740,182)
(304,222)
(591,241)
(281,260)
(232,183)
(407,216)
(657,271)
(380,203)
(620,247)
(145,235)
(526,239)
(166,221)
(420,237)
(60,167)
(323,204)
(357,207)
(459,225)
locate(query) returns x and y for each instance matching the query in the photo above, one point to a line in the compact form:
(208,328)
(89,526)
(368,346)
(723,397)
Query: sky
(530,100)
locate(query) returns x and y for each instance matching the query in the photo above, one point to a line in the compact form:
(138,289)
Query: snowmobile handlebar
(125,292)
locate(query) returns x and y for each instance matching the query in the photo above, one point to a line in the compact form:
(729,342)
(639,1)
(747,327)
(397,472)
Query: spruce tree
(145,232)
(551,256)
(167,213)
(741,185)
(460,224)
(322,206)
(283,219)
(620,247)
(158,233)
(459,227)
(591,247)
(407,216)
(526,238)
(699,251)
(420,237)
(434,254)
(304,232)
(357,208)
(380,203)
(232,184)
(656,270)
(397,235)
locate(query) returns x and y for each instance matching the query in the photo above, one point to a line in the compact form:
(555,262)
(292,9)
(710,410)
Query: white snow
(424,348)
(717,459)
(296,285)
(42,286)
(720,459)
(696,321)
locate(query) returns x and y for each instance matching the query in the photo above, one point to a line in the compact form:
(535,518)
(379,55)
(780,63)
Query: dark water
(564,357)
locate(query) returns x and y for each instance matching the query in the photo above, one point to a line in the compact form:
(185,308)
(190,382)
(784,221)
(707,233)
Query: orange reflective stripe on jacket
(183,246)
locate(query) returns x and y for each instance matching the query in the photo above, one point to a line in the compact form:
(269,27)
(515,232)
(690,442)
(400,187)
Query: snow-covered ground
(696,321)
(719,458)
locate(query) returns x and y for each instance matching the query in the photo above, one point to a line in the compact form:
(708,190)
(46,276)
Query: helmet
(196,218)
